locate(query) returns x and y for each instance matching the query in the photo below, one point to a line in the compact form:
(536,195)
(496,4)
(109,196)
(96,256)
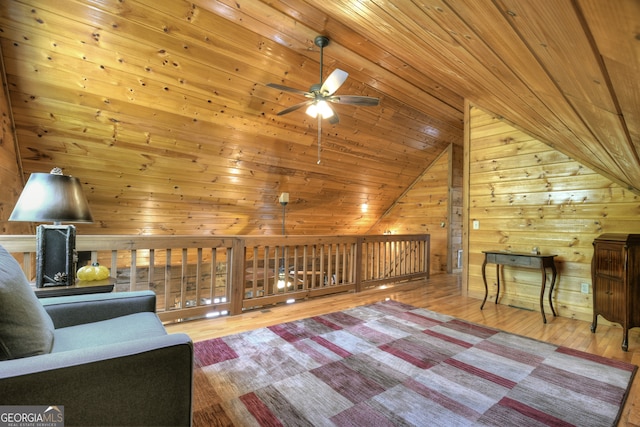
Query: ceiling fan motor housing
(321,41)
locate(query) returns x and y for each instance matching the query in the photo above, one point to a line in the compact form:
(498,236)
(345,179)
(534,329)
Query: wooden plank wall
(424,209)
(525,194)
(10,174)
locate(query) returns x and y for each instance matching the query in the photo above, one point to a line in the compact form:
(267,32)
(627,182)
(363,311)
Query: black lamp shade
(49,197)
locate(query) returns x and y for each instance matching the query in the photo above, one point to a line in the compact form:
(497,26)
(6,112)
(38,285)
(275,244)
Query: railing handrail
(86,242)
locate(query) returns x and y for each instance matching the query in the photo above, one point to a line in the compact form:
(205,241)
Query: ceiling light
(320,107)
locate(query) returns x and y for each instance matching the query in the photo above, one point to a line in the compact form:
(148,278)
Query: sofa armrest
(141,382)
(80,309)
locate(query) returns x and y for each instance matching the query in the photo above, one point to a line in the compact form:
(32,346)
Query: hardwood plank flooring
(442,293)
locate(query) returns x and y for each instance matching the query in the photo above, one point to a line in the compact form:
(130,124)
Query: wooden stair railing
(196,276)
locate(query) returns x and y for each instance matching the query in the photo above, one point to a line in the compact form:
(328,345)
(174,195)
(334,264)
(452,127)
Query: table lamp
(53,197)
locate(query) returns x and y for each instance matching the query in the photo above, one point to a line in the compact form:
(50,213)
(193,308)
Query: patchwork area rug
(390,364)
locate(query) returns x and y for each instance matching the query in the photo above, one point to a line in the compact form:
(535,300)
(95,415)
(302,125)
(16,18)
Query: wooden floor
(442,293)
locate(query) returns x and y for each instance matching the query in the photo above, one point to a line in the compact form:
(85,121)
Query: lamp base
(55,255)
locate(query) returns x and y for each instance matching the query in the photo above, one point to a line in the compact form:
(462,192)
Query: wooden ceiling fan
(321,95)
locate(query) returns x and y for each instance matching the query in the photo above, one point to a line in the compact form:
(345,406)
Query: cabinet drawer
(519,261)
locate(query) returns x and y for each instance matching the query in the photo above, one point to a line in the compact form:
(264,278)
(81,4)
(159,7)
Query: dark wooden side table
(81,287)
(541,262)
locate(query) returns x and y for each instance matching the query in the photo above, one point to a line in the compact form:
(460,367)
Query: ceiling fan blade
(290,89)
(367,101)
(294,107)
(334,120)
(333,82)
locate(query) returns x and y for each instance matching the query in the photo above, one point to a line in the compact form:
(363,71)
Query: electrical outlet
(476,224)
(584,288)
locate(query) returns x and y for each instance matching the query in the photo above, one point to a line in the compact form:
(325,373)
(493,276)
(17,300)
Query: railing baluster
(255,274)
(296,279)
(167,281)
(183,279)
(380,263)
(133,278)
(329,262)
(321,269)
(151,282)
(276,276)
(198,278)
(314,266)
(402,249)
(212,283)
(305,250)
(267,270)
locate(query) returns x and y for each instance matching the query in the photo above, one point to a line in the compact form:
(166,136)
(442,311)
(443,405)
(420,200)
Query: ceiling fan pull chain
(319,136)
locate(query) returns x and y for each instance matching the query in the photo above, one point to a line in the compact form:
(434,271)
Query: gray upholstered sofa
(106,358)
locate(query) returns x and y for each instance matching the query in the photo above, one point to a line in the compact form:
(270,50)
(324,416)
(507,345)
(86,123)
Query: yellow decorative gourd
(93,272)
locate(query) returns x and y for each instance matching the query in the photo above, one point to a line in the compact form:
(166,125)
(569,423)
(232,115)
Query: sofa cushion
(25,327)
(106,332)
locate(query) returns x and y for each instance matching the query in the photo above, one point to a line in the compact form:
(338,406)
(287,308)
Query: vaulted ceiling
(161,107)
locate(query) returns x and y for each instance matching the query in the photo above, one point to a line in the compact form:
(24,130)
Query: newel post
(359,250)
(237,275)
(427,254)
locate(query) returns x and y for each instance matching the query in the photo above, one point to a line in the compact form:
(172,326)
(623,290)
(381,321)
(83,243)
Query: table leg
(498,281)
(544,283)
(553,283)
(484,278)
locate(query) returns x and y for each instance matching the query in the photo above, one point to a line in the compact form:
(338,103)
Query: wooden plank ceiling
(161,108)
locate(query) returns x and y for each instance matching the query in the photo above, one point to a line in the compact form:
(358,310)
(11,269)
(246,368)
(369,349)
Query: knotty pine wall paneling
(424,208)
(525,194)
(10,171)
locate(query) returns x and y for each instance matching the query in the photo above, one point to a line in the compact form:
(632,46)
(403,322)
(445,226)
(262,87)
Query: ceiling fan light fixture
(312,110)
(320,107)
(324,109)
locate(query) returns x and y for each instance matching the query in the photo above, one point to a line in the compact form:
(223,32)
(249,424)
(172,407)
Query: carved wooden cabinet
(615,275)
